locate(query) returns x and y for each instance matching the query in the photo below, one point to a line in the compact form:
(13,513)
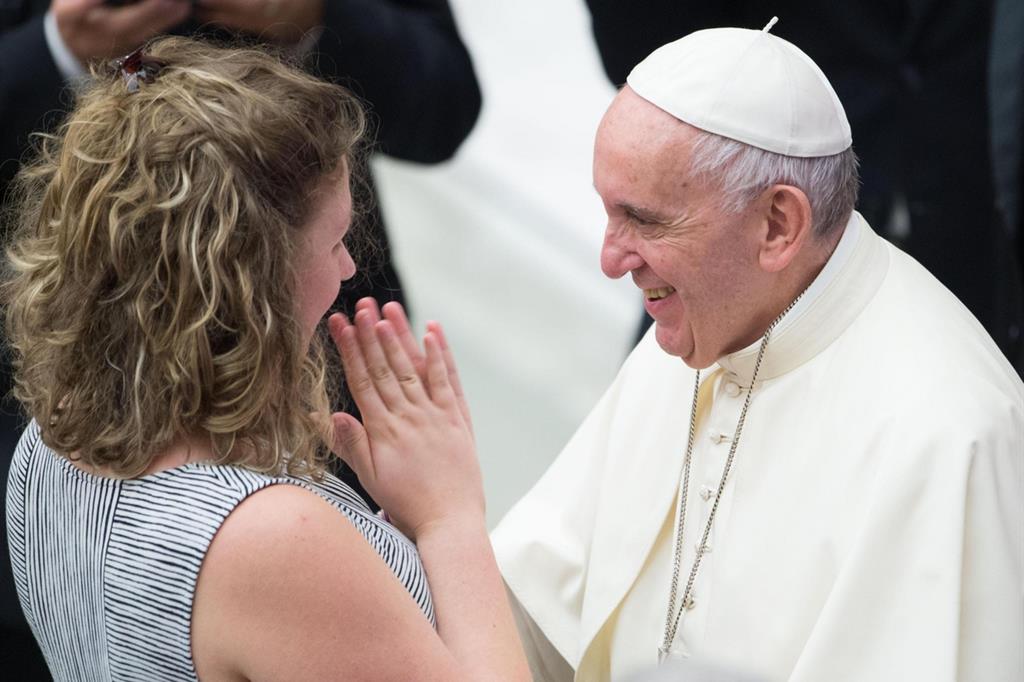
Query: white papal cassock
(872,527)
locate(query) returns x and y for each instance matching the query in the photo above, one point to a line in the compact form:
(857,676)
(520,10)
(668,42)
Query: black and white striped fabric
(106,569)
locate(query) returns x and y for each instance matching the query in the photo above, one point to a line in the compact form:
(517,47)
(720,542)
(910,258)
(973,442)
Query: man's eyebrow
(645,214)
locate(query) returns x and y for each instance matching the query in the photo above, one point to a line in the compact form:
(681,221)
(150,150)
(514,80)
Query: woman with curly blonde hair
(173,250)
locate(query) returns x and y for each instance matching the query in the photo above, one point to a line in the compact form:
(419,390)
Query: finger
(437,373)
(211,16)
(368,304)
(79,12)
(395,314)
(141,20)
(221,5)
(76,7)
(453,372)
(335,324)
(449,358)
(401,364)
(380,371)
(352,446)
(357,376)
(226,19)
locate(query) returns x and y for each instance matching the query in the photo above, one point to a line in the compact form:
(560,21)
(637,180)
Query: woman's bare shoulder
(289,589)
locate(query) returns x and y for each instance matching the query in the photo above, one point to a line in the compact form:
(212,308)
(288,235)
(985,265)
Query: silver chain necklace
(674,614)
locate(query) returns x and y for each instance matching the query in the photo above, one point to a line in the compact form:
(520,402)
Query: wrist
(445,529)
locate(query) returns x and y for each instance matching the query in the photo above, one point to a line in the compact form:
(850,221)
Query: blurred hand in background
(93,29)
(279,21)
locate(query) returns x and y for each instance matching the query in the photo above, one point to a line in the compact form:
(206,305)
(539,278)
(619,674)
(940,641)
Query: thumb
(351,444)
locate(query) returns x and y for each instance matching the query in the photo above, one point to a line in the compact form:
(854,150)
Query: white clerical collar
(849,279)
(840,255)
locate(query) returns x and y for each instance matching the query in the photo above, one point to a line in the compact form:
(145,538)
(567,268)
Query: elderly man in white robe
(811,468)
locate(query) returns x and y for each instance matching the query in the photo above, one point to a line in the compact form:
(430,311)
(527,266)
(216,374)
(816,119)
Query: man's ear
(788,225)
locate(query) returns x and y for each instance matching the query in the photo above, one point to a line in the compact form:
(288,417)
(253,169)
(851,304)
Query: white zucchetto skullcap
(749,86)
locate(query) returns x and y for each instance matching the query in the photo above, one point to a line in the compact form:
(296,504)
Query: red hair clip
(137,67)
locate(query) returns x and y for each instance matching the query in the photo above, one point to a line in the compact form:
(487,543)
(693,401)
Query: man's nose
(617,254)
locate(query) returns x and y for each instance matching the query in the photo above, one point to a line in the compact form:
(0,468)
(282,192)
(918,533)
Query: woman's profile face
(322,258)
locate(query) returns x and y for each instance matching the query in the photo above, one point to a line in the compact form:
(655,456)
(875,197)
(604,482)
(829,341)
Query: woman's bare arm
(417,457)
(290,590)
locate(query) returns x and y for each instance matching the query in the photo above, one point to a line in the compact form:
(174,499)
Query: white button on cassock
(732,389)
(706,492)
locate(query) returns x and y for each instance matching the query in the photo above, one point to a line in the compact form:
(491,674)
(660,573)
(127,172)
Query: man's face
(696,264)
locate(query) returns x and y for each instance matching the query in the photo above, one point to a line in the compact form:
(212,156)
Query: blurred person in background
(812,467)
(1006,99)
(176,245)
(914,78)
(403,57)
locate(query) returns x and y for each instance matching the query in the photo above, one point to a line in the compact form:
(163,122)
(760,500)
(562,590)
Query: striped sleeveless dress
(106,569)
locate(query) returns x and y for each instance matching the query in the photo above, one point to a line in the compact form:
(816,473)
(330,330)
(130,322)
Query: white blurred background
(501,244)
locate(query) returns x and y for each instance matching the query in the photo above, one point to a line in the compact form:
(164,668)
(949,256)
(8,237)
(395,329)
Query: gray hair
(742,172)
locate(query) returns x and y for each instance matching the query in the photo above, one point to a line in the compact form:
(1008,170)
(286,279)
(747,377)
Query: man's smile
(657,294)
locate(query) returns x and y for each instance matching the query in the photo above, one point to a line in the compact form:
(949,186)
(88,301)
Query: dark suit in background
(912,76)
(1006,100)
(404,57)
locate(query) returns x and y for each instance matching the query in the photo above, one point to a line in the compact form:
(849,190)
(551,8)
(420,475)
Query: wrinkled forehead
(631,116)
(640,147)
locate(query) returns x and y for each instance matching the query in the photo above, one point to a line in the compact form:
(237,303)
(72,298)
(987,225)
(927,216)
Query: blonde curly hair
(149,292)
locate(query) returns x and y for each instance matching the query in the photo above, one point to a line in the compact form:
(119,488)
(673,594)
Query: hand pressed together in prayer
(414,451)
